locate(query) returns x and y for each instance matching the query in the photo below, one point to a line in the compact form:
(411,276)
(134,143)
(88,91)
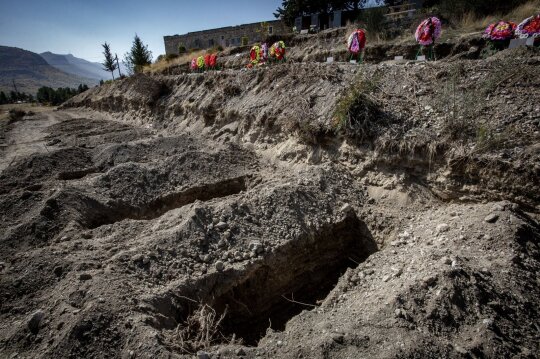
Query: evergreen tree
(138,57)
(3,98)
(109,64)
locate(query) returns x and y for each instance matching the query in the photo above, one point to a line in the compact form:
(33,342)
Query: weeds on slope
(357,114)
(200,331)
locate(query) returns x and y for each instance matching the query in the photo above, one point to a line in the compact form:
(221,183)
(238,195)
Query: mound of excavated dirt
(304,210)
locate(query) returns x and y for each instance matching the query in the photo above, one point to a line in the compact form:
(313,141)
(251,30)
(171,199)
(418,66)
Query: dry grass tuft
(164,64)
(201,330)
(471,23)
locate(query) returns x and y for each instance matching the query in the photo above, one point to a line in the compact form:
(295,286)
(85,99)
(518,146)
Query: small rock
(443,227)
(35,320)
(220,266)
(222,243)
(58,271)
(203,355)
(279,343)
(85,276)
(446,260)
(386,278)
(491,218)
(222,226)
(347,208)
(338,338)
(131,354)
(404,235)
(240,352)
(429,280)
(400,313)
(256,247)
(460,350)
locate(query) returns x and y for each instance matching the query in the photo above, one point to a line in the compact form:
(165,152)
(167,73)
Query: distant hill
(76,66)
(30,72)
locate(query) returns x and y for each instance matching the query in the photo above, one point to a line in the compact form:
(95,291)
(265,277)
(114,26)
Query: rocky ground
(305,210)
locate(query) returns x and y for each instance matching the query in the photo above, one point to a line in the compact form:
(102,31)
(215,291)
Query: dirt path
(26,137)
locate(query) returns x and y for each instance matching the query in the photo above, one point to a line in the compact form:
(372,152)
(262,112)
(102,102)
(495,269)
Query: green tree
(109,64)
(82,88)
(3,98)
(291,9)
(138,57)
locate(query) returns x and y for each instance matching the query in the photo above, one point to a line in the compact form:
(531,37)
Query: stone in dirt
(220,266)
(443,227)
(35,320)
(85,276)
(491,218)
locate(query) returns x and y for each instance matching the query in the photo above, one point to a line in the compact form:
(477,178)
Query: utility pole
(118,65)
(15,86)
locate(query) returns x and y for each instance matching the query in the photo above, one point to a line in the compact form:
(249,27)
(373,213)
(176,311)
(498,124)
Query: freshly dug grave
(300,211)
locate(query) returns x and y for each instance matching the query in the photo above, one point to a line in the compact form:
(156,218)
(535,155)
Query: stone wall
(225,36)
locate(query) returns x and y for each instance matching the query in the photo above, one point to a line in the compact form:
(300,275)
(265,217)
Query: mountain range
(28,71)
(76,66)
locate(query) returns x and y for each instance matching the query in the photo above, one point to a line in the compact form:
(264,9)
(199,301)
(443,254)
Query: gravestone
(315,21)
(337,19)
(304,32)
(398,58)
(421,58)
(517,43)
(530,41)
(298,23)
(329,60)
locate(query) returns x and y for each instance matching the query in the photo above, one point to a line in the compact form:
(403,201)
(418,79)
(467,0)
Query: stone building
(246,34)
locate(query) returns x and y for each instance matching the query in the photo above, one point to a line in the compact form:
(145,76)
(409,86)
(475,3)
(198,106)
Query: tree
(138,57)
(291,9)
(3,98)
(108,64)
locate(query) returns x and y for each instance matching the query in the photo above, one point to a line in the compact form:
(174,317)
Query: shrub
(357,114)
(16,115)
(170,57)
(181,49)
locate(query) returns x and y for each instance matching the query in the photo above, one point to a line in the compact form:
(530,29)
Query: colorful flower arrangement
(357,41)
(428,31)
(264,51)
(201,63)
(255,55)
(500,31)
(529,27)
(213,61)
(277,51)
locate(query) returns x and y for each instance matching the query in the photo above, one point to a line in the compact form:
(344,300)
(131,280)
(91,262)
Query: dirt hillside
(300,210)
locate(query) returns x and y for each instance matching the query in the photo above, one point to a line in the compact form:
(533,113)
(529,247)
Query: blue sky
(80,27)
